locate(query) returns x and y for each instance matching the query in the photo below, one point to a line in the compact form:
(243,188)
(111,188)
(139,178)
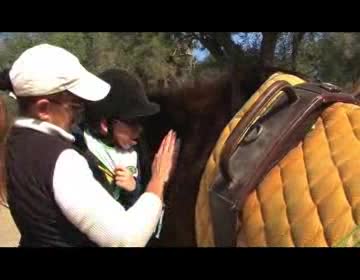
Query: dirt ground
(9,234)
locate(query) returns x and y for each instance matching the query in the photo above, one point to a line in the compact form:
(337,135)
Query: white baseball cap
(46,69)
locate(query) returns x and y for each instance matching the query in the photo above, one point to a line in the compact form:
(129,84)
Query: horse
(4,130)
(198,112)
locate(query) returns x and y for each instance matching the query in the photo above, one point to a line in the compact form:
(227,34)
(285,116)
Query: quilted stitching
(319,180)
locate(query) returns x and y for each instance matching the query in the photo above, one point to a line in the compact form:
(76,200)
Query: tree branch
(296,40)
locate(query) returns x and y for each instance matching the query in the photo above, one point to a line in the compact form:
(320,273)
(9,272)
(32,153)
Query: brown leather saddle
(275,124)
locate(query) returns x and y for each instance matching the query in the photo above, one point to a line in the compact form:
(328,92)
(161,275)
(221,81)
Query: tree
(14,45)
(339,63)
(163,59)
(332,57)
(246,48)
(157,57)
(268,45)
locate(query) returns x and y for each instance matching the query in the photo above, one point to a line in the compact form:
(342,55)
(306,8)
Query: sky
(200,55)
(249,41)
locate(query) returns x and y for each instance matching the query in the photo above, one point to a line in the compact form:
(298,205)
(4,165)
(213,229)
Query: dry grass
(9,234)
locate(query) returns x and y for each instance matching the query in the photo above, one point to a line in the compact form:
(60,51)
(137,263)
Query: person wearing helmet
(112,140)
(52,193)
(112,137)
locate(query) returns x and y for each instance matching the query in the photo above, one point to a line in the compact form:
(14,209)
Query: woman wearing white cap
(53,196)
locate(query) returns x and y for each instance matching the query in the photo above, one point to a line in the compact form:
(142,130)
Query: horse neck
(198,120)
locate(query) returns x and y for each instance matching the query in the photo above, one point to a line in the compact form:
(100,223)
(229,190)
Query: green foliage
(163,59)
(332,57)
(14,46)
(78,43)
(340,59)
(155,57)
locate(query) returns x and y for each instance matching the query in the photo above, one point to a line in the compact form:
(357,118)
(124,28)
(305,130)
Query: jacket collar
(44,127)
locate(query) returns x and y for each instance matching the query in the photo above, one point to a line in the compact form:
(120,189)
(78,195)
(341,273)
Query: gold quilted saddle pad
(310,198)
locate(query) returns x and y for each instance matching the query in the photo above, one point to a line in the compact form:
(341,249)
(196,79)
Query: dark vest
(30,162)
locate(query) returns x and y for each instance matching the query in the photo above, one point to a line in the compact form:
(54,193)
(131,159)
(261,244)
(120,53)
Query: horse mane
(191,100)
(4,129)
(200,95)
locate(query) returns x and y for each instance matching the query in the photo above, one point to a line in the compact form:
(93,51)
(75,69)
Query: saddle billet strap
(282,130)
(224,220)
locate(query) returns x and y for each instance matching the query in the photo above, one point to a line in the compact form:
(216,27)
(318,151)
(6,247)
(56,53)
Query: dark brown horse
(198,112)
(4,128)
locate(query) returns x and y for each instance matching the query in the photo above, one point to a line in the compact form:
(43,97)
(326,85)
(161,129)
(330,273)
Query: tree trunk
(268,45)
(296,40)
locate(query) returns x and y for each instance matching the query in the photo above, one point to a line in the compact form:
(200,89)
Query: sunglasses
(77,106)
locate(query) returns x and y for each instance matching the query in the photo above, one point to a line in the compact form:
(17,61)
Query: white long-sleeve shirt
(87,205)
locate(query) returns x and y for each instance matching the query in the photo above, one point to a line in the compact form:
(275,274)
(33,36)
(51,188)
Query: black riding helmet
(126,100)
